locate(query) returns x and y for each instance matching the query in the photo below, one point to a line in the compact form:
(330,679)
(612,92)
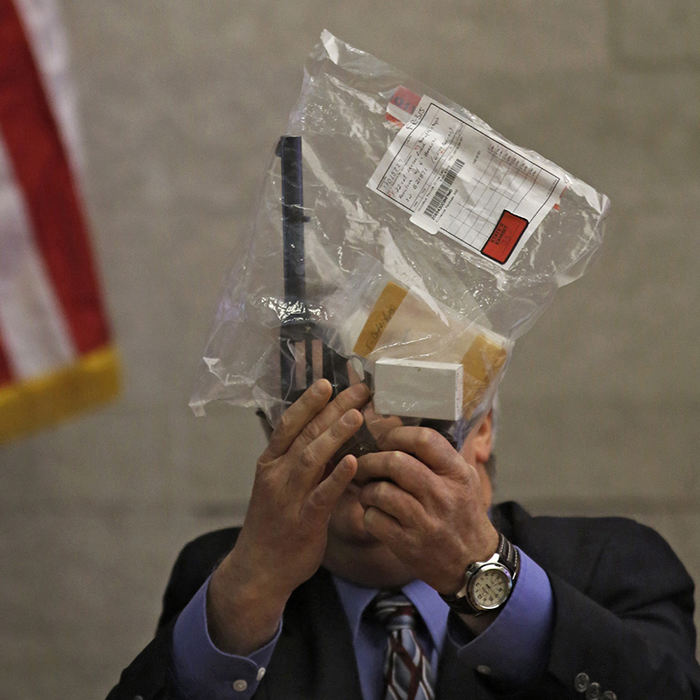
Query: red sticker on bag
(505,237)
(402,105)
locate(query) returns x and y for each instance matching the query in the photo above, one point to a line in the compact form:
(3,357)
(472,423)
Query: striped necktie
(407,671)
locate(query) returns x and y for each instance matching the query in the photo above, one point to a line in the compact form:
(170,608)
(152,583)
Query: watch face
(490,587)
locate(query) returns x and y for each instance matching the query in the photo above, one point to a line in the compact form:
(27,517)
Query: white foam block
(418,388)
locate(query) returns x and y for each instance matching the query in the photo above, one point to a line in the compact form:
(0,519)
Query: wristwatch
(487,584)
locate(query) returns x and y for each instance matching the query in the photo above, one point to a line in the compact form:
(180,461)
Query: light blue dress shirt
(512,650)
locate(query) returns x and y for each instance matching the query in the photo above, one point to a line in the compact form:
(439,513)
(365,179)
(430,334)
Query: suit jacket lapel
(501,517)
(314,657)
(455,680)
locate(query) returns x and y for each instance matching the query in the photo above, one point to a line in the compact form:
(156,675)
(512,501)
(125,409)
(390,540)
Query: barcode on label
(439,198)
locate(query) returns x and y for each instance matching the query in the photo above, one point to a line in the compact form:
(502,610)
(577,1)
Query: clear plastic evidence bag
(399,240)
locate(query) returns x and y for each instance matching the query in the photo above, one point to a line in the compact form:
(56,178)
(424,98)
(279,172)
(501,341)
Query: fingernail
(350,418)
(320,387)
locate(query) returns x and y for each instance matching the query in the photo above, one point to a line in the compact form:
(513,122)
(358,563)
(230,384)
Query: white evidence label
(454,177)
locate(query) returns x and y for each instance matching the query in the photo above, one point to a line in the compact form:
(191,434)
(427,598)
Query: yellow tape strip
(385,307)
(42,401)
(481,363)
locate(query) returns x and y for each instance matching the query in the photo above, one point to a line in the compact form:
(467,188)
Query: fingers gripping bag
(399,240)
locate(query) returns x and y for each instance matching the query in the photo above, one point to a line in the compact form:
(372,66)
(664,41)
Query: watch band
(506,556)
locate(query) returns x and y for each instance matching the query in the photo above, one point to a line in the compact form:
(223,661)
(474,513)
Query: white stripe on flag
(34,333)
(45,33)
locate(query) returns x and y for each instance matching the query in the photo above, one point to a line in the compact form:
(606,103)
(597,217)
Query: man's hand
(284,535)
(423,501)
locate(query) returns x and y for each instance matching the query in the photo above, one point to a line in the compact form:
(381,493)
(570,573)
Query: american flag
(56,355)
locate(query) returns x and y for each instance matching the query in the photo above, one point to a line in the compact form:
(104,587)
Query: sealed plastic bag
(399,240)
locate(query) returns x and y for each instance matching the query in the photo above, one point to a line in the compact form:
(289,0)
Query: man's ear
(482,440)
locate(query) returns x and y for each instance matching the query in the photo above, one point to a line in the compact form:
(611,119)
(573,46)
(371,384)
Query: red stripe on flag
(42,171)
(5,370)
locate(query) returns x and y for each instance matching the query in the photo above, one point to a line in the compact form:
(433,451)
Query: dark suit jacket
(623,617)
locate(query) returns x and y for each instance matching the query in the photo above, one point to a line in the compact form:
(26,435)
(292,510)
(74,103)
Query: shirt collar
(434,611)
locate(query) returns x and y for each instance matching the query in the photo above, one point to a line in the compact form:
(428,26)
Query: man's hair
(460,434)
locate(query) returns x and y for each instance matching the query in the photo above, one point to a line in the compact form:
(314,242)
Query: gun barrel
(289,151)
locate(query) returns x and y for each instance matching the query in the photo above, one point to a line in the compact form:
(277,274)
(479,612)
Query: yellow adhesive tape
(385,307)
(481,363)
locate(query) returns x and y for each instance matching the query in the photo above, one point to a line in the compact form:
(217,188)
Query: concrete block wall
(181,104)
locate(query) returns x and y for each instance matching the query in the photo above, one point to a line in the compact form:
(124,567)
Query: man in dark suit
(284,609)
